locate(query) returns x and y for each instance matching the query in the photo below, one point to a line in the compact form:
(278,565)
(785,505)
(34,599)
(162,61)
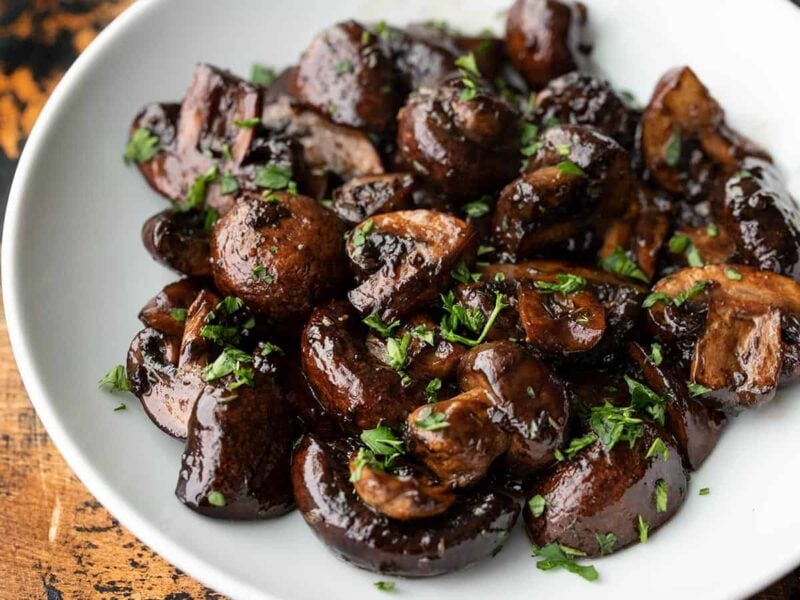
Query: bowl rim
(11,277)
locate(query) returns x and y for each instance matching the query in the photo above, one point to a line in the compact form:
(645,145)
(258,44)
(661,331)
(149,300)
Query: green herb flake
(646,401)
(712,230)
(476,209)
(563,149)
(696,389)
(613,424)
(661,496)
(431,420)
(260,274)
(216,498)
(228,184)
(261,75)
(274,177)
(384,586)
(644,527)
(577,444)
(462,274)
(424,334)
(383,442)
(569,168)
(537,505)
(179,314)
(397,351)
(247,123)
(566,283)
(654,298)
(672,153)
(375,322)
(733,274)
(743,174)
(230,361)
(468,64)
(361,232)
(472,318)
(704,491)
(678,243)
(658,447)
(142,146)
(557,556)
(432,390)
(484,250)
(693,291)
(606,542)
(656,355)
(120,406)
(116,380)
(620,263)
(343,67)
(270,348)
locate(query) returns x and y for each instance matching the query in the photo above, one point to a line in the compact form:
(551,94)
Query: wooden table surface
(58,542)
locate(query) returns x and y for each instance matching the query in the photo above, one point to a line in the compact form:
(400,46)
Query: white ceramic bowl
(75,274)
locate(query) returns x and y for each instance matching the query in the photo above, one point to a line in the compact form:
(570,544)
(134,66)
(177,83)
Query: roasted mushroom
(620,491)
(236,461)
(460,445)
(546,38)
(404,496)
(582,99)
(363,197)
(357,388)
(327,147)
(460,137)
(733,315)
(215,144)
(281,254)
(763,219)
(403,260)
(475,527)
(684,139)
(344,75)
(696,427)
(579,179)
(179,240)
(528,401)
(167,311)
(167,375)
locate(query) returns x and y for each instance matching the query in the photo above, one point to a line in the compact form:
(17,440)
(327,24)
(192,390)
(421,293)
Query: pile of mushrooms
(433,280)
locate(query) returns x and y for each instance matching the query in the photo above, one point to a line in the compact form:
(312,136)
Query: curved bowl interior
(75,274)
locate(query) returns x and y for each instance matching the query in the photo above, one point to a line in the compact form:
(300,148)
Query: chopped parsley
(712,230)
(484,250)
(142,146)
(468,67)
(606,542)
(360,233)
(576,445)
(696,389)
(613,424)
(260,274)
(537,505)
(216,498)
(247,123)
(620,263)
(343,67)
(733,274)
(120,406)
(656,357)
(424,334)
(228,184)
(462,274)
(375,322)
(682,243)
(672,153)
(196,196)
(661,496)
(431,420)
(210,218)
(654,298)
(645,400)
(569,168)
(261,75)
(557,556)
(274,177)
(566,283)
(116,380)
(269,348)
(681,298)
(365,458)
(472,318)
(382,441)
(384,586)
(397,351)
(179,314)
(658,447)
(432,390)
(231,361)
(477,209)
(704,491)
(644,527)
